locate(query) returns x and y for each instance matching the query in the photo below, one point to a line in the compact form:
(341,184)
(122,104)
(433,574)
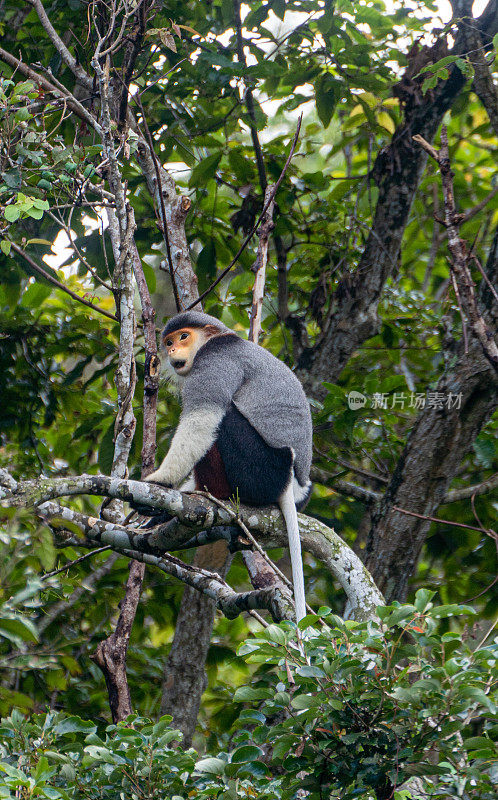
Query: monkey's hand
(159,477)
(147,511)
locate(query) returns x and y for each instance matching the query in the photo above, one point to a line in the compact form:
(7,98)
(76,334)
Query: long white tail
(288,508)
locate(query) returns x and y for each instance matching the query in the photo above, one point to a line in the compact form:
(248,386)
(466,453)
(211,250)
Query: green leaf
(214,766)
(18,628)
(22,114)
(275,634)
(5,246)
(103,754)
(37,202)
(35,295)
(303,701)
(247,693)
(247,752)
(205,170)
(422,599)
(12,213)
(479,743)
(34,213)
(451,610)
(278,6)
(310,671)
(327,95)
(477,695)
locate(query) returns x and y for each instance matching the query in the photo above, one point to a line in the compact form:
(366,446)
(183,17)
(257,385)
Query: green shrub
(355,712)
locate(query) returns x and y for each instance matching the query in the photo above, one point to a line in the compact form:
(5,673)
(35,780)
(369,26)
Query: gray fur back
(263,389)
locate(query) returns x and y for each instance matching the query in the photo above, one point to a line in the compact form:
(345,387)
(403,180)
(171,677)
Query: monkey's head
(185,334)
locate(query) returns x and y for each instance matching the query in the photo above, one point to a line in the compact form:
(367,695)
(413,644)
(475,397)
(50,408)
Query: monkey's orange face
(181,346)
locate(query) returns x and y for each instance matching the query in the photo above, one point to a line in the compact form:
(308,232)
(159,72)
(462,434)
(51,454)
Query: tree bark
(397,171)
(435,448)
(184,677)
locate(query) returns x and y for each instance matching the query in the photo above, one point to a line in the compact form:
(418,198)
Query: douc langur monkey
(245,428)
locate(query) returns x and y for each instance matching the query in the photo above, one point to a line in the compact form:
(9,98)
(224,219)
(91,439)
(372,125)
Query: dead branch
(257,223)
(49,86)
(259,269)
(68,59)
(459,264)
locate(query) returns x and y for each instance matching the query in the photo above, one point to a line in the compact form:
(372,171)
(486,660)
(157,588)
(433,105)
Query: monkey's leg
(288,508)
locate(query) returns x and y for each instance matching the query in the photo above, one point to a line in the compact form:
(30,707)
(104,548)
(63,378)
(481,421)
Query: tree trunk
(184,678)
(397,171)
(434,451)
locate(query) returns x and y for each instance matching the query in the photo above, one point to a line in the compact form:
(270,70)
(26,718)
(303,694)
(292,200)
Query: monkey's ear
(211,330)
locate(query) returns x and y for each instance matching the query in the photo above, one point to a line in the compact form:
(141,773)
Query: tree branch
(34,266)
(256,224)
(171,212)
(459,257)
(68,59)
(193,513)
(72,103)
(397,171)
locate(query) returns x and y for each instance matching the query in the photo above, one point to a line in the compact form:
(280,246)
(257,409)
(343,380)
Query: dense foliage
(361,710)
(400,691)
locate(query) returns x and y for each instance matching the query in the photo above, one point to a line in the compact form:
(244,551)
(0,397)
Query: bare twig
(489,531)
(486,279)
(236,517)
(36,267)
(49,86)
(63,606)
(249,101)
(367,496)
(163,220)
(483,84)
(131,52)
(259,269)
(69,234)
(61,48)
(70,564)
(459,256)
(69,97)
(472,491)
(256,224)
(460,309)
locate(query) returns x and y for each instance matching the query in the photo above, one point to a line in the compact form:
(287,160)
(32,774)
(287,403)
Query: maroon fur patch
(210,474)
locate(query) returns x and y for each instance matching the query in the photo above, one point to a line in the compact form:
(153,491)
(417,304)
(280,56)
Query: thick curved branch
(192,513)
(149,548)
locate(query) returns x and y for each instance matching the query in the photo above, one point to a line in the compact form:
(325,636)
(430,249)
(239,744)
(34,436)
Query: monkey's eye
(184,336)
(169,342)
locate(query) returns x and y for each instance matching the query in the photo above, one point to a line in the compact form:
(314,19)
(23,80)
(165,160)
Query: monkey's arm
(194,436)
(207,393)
